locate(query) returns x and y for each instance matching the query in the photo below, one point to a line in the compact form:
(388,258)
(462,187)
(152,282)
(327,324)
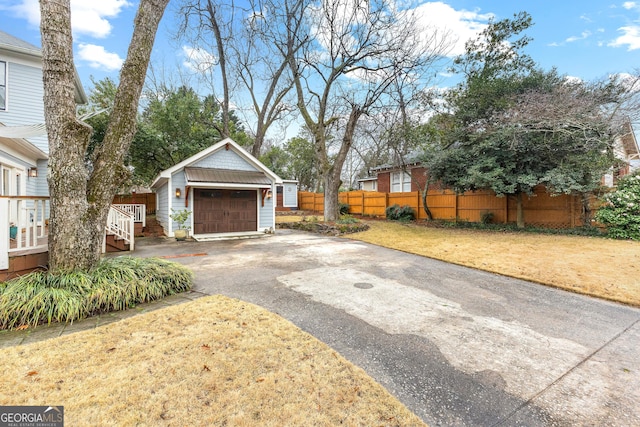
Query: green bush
(620,213)
(116,284)
(400,213)
(343,208)
(347,219)
(486,217)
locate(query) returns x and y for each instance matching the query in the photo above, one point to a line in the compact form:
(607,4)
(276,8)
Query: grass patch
(115,284)
(213,361)
(604,268)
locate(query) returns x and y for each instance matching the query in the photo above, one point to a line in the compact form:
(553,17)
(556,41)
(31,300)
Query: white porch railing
(23,225)
(120,224)
(139,212)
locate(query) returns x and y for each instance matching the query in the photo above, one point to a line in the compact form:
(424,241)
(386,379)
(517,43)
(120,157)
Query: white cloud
(87,17)
(198,60)
(573,79)
(582,36)
(630,5)
(462,24)
(99,58)
(630,38)
(629,81)
(27,9)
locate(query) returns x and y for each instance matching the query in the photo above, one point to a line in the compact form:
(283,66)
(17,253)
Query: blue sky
(588,39)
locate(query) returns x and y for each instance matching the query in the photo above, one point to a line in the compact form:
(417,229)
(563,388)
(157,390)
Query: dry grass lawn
(599,267)
(213,361)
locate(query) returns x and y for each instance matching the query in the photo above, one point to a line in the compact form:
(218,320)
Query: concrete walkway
(457,346)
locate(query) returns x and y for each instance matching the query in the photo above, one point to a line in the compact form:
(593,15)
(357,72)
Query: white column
(4,234)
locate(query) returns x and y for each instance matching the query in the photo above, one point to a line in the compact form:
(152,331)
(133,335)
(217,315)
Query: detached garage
(228,191)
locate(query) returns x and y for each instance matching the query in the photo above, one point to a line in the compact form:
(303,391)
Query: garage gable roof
(226,176)
(225,144)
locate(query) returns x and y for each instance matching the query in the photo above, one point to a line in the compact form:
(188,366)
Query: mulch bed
(331,228)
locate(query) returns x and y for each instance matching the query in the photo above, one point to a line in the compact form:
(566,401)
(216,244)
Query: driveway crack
(560,378)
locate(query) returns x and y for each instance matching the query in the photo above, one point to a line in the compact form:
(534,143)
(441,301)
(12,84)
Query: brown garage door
(225,211)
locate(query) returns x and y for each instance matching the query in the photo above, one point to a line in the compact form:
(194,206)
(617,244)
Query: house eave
(23,149)
(227,185)
(226,143)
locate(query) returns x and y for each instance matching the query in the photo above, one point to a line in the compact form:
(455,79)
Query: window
(11,180)
(3,85)
(400,182)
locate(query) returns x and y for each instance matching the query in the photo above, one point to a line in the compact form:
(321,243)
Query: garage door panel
(222,211)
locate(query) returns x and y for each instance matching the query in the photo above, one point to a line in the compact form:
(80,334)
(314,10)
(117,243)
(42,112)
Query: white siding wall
(266,213)
(162,202)
(162,214)
(24,99)
(178,181)
(225,159)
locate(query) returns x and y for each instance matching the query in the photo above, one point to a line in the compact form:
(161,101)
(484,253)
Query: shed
(287,195)
(228,191)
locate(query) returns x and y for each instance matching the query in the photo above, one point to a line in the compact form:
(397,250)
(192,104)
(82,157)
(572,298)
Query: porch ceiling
(225,176)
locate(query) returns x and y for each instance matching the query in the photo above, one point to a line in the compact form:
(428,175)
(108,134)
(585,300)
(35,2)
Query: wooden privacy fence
(541,209)
(147,199)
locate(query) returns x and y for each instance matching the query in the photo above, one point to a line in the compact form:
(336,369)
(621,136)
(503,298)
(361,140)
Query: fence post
(506,209)
(455,207)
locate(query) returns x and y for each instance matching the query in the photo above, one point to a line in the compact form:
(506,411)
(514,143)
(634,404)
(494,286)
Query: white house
(228,191)
(24,152)
(626,149)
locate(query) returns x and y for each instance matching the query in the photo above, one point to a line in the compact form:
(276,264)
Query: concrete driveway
(455,345)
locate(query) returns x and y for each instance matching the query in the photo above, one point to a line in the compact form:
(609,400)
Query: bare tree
(261,68)
(358,50)
(245,41)
(80,197)
(209,25)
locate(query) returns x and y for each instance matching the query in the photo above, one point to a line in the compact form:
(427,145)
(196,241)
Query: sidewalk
(43,332)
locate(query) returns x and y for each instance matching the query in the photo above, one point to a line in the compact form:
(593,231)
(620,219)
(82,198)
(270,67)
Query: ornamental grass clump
(115,284)
(620,213)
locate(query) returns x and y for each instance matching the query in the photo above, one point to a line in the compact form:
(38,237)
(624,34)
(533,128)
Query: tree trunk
(331,192)
(519,211)
(424,202)
(222,62)
(331,178)
(80,197)
(68,139)
(586,209)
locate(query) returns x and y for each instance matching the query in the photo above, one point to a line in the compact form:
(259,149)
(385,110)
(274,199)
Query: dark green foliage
(343,208)
(347,219)
(115,284)
(513,127)
(513,228)
(621,211)
(486,218)
(175,124)
(295,160)
(400,213)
